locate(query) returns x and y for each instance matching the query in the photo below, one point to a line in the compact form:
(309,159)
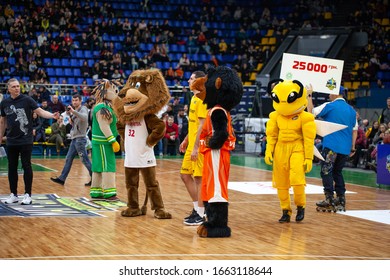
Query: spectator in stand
(5,67)
(192,46)
(171,138)
(245,73)
(170,74)
(380,134)
(184,62)
(360,144)
(134,61)
(385,115)
(44,93)
(201,39)
(222,46)
(371,131)
(96,71)
(41,38)
(38,132)
(179,73)
(83,42)
(58,134)
(46,122)
(181,119)
(85,70)
(56,105)
(54,49)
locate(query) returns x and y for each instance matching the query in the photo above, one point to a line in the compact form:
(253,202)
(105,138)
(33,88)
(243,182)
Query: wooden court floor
(253,218)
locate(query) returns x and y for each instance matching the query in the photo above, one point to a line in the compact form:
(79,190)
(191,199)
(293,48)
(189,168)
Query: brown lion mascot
(136,106)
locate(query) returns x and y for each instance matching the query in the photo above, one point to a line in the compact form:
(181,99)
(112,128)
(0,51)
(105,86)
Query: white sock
(195,205)
(200,211)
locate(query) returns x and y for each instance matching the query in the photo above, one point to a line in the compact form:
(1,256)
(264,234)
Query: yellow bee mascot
(290,139)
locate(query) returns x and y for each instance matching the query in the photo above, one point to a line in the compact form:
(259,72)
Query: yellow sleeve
(202,110)
(272,132)
(308,133)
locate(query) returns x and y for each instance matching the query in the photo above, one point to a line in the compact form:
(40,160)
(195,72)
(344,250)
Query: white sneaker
(26,199)
(11,199)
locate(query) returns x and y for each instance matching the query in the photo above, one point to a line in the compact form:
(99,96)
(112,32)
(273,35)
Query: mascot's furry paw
(144,209)
(206,230)
(162,214)
(132,212)
(202,230)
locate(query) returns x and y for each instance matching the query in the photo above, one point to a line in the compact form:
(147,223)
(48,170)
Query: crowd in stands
(33,33)
(55,29)
(373,18)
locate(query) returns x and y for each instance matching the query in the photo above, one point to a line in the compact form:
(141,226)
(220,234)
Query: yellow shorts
(194,168)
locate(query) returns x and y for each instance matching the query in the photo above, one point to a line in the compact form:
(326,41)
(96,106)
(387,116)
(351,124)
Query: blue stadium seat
(56,62)
(173,48)
(64,62)
(88,54)
(47,61)
(79,81)
(59,72)
(91,62)
(118,46)
(68,72)
(66,99)
(89,81)
(79,53)
(187,75)
(182,48)
(50,71)
(76,72)
(71,81)
(166,65)
(74,62)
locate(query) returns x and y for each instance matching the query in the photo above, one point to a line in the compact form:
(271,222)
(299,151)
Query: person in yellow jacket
(290,144)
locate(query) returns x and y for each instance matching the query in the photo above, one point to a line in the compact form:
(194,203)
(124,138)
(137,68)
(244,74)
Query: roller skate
(340,203)
(327,205)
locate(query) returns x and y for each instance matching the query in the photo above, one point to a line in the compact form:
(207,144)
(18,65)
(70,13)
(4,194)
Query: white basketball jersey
(138,153)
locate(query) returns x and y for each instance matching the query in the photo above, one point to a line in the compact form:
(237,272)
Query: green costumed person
(104,143)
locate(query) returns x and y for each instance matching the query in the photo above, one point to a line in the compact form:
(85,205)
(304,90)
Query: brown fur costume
(144,95)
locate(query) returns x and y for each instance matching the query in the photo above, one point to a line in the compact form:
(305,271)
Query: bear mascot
(143,96)
(221,90)
(104,143)
(290,139)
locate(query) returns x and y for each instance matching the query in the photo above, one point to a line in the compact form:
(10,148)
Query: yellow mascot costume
(290,139)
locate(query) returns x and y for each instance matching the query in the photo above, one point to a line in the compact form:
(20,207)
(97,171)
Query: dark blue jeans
(331,172)
(13,153)
(77,147)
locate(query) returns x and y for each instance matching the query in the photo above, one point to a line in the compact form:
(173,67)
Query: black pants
(13,153)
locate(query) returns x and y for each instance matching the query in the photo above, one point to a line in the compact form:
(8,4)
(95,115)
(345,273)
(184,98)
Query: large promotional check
(323,74)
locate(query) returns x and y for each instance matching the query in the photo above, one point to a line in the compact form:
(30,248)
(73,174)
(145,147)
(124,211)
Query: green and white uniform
(103,156)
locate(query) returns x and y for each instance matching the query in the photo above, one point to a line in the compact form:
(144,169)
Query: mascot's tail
(144,208)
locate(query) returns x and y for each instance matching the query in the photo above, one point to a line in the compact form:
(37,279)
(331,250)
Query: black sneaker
(57,180)
(193,213)
(88,184)
(196,220)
